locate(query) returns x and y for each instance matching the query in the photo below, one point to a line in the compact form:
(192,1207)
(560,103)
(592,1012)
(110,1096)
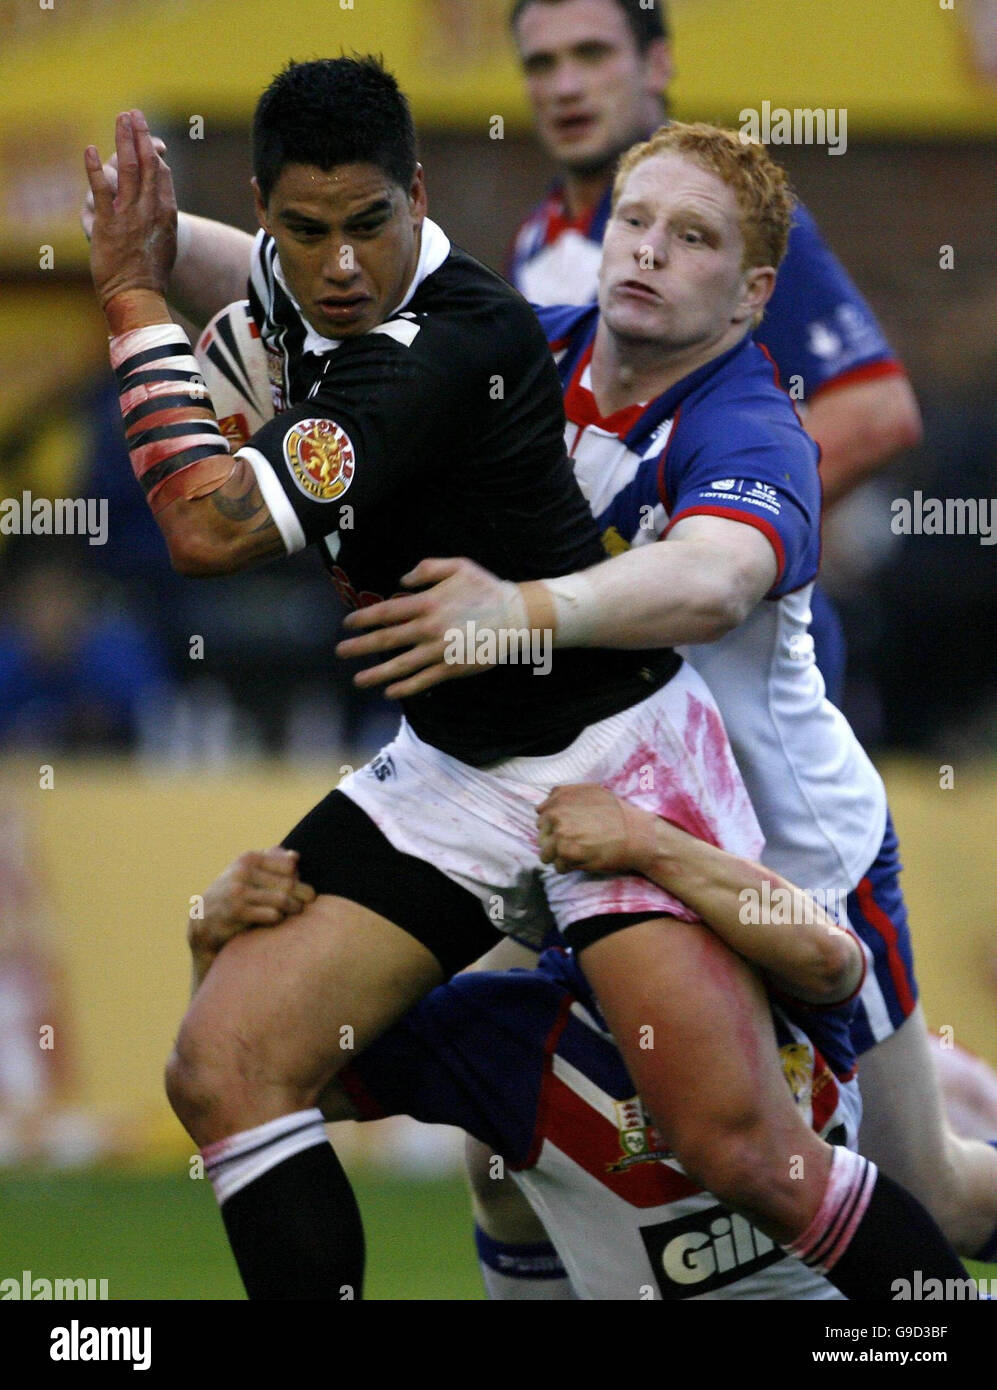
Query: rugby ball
(233,362)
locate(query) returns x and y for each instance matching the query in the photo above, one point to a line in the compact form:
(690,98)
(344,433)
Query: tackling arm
(211,269)
(700,583)
(588,828)
(697,586)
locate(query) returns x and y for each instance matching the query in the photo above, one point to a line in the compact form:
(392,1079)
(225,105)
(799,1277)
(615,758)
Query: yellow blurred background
(899,67)
(121,850)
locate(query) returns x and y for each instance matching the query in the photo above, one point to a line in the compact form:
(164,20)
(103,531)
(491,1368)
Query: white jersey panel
(819,800)
(566,272)
(613,1251)
(685,1246)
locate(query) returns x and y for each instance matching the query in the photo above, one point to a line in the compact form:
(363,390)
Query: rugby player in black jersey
(424,418)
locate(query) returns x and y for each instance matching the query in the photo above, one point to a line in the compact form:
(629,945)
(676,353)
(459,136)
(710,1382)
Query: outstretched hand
(133,230)
(111,175)
(461,592)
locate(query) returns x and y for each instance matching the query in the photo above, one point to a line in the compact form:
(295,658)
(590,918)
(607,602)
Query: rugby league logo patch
(321,458)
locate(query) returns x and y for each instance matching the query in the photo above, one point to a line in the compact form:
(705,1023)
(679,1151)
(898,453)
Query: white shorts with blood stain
(669,755)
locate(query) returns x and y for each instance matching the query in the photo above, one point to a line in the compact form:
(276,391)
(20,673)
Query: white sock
(519,1272)
(235,1162)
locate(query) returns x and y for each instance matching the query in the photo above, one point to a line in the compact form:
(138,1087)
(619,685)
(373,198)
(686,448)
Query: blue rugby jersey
(725,442)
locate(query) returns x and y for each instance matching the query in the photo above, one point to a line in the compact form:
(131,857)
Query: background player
(597,75)
(482,1050)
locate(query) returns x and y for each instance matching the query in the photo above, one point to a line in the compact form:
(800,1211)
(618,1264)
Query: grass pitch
(160,1236)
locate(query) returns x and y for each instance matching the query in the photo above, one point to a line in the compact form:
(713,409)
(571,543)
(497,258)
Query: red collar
(557,221)
(581,409)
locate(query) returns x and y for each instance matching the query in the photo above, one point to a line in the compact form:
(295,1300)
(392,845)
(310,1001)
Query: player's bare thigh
(283,1009)
(694,1027)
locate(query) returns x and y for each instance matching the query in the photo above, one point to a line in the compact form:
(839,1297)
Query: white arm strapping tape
(576,605)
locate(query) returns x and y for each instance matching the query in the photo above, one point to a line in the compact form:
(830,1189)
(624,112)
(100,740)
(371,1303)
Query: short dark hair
(647,21)
(329,112)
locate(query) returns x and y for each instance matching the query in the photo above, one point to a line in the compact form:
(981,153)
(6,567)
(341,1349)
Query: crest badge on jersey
(798,1069)
(640,1142)
(613,543)
(321,458)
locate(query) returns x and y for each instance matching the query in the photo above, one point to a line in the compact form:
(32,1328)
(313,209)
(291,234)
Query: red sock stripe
(835,1241)
(845,1201)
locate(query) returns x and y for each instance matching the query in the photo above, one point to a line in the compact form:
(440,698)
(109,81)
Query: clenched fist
(587,827)
(256,890)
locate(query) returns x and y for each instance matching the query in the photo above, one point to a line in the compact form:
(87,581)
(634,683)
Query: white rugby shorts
(668,754)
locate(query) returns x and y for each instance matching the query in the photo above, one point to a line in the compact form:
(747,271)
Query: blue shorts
(877,914)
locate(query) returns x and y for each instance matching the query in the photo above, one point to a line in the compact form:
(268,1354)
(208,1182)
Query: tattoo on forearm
(245,505)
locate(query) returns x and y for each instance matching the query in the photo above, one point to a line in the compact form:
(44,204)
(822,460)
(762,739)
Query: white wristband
(577,608)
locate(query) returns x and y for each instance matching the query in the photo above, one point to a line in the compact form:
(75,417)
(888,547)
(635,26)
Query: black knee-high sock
(289,1211)
(870,1234)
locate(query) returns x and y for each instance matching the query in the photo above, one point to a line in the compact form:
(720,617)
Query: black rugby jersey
(441,433)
